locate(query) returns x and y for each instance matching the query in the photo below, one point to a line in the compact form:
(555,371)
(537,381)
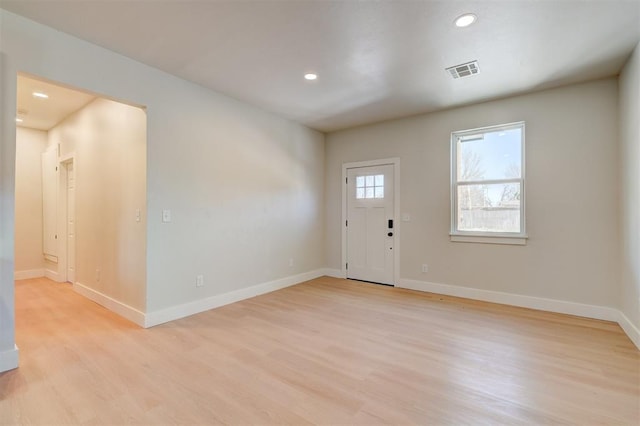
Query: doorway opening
(81,192)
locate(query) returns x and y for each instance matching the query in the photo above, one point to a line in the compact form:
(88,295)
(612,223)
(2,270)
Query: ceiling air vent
(464,70)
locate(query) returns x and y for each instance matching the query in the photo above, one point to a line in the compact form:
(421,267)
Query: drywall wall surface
(244,186)
(8,352)
(108,142)
(571,185)
(30,144)
(245,191)
(629,86)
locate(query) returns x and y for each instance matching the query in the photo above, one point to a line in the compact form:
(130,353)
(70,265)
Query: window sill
(519,240)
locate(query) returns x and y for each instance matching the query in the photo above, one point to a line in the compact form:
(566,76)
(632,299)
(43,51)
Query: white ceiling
(43,114)
(376,60)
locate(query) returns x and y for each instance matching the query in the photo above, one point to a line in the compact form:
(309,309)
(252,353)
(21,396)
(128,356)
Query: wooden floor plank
(327,351)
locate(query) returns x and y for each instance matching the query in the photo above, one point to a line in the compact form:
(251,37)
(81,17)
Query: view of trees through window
(488,184)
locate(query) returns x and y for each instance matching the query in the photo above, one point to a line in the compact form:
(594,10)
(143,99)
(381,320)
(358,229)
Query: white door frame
(396,210)
(62,213)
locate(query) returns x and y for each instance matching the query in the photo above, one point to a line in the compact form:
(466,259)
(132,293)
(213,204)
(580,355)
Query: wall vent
(464,70)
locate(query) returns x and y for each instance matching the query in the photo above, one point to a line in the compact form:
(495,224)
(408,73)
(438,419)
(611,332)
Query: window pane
(379,191)
(360,182)
(369,181)
(359,192)
(497,155)
(379,180)
(489,208)
(369,192)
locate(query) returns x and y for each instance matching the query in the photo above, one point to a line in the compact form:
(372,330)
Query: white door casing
(370,223)
(50,204)
(67,223)
(71,222)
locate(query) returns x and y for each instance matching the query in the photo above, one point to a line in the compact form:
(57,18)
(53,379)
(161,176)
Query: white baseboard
(334,273)
(110,303)
(532,302)
(9,359)
(53,275)
(191,308)
(28,274)
(629,328)
(197,306)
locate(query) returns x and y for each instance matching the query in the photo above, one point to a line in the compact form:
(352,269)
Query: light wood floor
(328,351)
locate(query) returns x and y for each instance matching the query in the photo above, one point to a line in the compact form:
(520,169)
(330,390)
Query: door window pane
(371,186)
(368,192)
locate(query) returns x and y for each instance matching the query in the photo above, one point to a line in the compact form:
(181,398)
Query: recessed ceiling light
(40,95)
(18,120)
(311,76)
(465,20)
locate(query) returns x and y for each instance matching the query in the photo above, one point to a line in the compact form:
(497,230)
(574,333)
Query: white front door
(71,223)
(370,224)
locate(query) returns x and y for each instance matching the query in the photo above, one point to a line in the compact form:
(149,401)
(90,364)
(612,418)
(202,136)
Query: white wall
(244,186)
(630,188)
(245,191)
(30,144)
(8,349)
(108,140)
(572,199)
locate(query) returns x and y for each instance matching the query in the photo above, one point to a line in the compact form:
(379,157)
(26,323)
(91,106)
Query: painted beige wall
(245,187)
(245,191)
(108,140)
(8,350)
(572,200)
(30,144)
(630,187)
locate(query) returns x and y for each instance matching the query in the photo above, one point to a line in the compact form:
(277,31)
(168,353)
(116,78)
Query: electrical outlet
(425,267)
(166,216)
(291,262)
(199,280)
(138,216)
(98,275)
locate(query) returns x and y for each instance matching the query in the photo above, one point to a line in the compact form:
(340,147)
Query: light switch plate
(166,216)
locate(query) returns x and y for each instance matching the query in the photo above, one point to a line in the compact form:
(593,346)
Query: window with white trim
(487,185)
